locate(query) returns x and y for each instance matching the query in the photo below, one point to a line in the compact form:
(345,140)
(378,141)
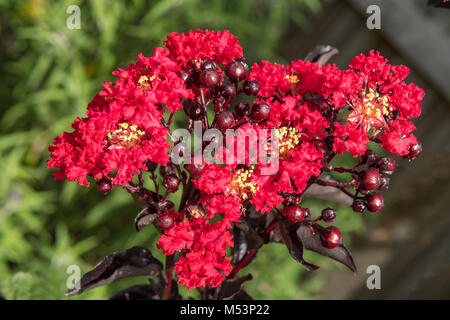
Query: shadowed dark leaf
(240,245)
(321,54)
(133,262)
(232,287)
(160,287)
(294,244)
(145,217)
(255,219)
(242,295)
(313,242)
(439,3)
(327,193)
(137,292)
(275,235)
(254,241)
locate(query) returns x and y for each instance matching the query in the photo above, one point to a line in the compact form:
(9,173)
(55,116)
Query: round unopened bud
(210,78)
(328,215)
(104,185)
(165,221)
(224,120)
(235,71)
(171,182)
(260,111)
(331,237)
(375,202)
(251,87)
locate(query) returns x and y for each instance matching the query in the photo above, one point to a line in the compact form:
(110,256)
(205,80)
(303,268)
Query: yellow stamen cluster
(146,82)
(293,79)
(242,185)
(126,135)
(288,138)
(374,105)
(196,213)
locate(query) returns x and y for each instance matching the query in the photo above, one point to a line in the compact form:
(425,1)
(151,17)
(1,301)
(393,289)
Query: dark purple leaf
(242,295)
(255,219)
(321,54)
(439,3)
(160,285)
(294,244)
(240,245)
(133,262)
(137,292)
(313,243)
(275,235)
(254,241)
(145,217)
(232,287)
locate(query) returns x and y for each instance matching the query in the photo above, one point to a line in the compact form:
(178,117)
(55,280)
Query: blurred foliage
(48,75)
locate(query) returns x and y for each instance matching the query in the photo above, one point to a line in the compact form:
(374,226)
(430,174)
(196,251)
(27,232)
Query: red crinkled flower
(272,79)
(123,125)
(351,138)
(398,138)
(380,94)
(154,79)
(303,162)
(327,80)
(221,47)
(203,261)
(293,111)
(98,145)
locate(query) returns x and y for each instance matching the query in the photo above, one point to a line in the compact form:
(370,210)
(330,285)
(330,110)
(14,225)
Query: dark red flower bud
(244,63)
(328,215)
(210,78)
(235,71)
(165,221)
(104,185)
(194,110)
(386,165)
(251,87)
(331,237)
(291,200)
(260,111)
(219,103)
(371,179)
(375,202)
(165,205)
(228,90)
(171,182)
(295,213)
(384,183)
(369,157)
(209,65)
(414,152)
(241,109)
(224,120)
(358,206)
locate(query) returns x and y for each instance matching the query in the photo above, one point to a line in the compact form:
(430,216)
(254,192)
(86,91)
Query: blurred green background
(48,75)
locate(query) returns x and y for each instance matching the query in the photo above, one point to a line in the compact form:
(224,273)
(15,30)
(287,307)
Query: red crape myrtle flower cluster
(314,112)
